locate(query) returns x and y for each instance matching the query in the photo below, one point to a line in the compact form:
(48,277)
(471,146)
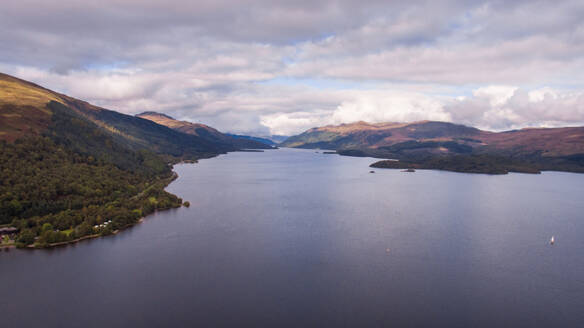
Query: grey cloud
(522,61)
(210,60)
(106,31)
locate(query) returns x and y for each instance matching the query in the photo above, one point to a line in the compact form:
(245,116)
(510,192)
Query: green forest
(58,195)
(75,180)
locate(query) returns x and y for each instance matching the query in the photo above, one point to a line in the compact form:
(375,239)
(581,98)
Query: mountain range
(444,145)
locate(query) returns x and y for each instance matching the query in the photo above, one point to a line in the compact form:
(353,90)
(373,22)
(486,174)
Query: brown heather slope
(196,129)
(367,135)
(28,109)
(202,131)
(548,141)
(22,108)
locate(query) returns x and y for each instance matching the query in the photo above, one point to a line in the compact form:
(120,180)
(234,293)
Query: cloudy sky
(280,67)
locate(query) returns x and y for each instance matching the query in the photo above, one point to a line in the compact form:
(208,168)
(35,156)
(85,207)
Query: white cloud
(496,94)
(503,107)
(296,122)
(389,106)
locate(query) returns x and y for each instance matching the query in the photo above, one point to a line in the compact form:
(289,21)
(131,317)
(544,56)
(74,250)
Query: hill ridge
(541,148)
(204,131)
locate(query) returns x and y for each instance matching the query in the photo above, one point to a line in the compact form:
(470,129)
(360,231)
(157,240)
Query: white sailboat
(552,241)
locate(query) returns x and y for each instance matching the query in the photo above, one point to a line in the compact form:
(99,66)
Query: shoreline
(77,240)
(93,236)
(170,179)
(173,177)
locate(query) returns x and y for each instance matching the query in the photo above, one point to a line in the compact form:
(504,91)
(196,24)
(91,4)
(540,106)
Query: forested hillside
(58,194)
(70,170)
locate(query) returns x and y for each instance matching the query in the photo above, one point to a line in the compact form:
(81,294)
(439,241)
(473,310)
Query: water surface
(297,238)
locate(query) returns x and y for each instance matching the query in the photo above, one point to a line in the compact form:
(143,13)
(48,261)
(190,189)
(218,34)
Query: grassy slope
(22,108)
(26,108)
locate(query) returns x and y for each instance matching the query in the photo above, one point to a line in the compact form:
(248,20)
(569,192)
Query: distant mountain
(364,135)
(276,138)
(424,142)
(258,139)
(205,132)
(273,139)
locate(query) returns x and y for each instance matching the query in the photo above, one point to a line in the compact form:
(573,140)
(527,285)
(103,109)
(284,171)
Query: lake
(303,239)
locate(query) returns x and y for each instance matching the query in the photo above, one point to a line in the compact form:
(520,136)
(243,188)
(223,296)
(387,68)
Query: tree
(26,237)
(47,227)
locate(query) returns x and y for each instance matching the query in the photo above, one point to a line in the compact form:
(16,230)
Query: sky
(281,67)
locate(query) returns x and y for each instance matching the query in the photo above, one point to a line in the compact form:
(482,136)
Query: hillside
(70,170)
(205,132)
(461,148)
(362,134)
(27,108)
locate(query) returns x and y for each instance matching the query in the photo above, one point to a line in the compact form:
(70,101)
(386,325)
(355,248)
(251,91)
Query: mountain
(362,134)
(205,132)
(273,139)
(446,145)
(27,109)
(70,170)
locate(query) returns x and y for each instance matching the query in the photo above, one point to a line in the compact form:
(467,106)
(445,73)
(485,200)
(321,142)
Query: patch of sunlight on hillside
(19,94)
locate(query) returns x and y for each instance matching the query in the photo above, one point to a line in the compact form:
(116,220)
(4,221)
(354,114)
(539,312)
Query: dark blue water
(295,238)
